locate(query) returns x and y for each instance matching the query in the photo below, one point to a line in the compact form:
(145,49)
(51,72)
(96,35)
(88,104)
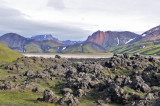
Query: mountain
(13,41)
(111,39)
(152,34)
(146,48)
(45,37)
(7,54)
(148,44)
(37,46)
(86,47)
(69,42)
(50,37)
(22,44)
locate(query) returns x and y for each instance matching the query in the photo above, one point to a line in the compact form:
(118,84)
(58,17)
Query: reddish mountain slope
(111,39)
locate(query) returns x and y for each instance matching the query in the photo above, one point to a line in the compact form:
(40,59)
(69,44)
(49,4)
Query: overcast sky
(76,19)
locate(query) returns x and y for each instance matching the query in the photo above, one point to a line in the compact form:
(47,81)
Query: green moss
(87,101)
(124,72)
(129,90)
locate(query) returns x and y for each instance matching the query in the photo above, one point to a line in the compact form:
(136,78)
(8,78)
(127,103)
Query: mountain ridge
(103,41)
(110,39)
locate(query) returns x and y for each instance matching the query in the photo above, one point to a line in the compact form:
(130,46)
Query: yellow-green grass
(8,55)
(151,48)
(33,48)
(129,90)
(21,98)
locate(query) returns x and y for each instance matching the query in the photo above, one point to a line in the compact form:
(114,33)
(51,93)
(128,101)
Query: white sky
(76,19)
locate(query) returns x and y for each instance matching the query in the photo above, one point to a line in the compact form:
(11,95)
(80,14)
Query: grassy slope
(8,55)
(42,46)
(146,48)
(32,48)
(84,48)
(15,98)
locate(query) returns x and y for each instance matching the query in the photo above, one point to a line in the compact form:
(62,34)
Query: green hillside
(8,55)
(145,48)
(42,47)
(87,47)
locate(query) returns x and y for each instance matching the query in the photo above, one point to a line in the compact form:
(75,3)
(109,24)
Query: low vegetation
(119,80)
(88,47)
(8,55)
(145,48)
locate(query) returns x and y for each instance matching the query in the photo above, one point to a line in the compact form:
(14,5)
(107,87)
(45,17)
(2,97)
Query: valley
(98,43)
(79,53)
(109,68)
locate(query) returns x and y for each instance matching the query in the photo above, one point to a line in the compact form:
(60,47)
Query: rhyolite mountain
(152,34)
(98,42)
(26,45)
(111,39)
(148,44)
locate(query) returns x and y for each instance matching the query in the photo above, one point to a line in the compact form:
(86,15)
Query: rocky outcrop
(131,80)
(48,96)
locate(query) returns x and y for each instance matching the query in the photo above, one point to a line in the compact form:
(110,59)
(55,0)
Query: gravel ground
(69,55)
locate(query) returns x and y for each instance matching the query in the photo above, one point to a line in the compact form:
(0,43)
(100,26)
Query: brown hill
(111,38)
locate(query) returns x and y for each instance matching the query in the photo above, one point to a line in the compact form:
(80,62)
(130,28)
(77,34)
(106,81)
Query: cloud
(76,19)
(13,20)
(56,4)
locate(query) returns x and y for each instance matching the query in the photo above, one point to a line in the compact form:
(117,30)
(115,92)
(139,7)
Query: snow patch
(63,48)
(45,36)
(129,41)
(156,29)
(144,46)
(118,41)
(24,51)
(144,35)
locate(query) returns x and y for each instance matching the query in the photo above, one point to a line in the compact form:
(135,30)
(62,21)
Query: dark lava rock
(138,84)
(57,56)
(8,85)
(66,90)
(49,96)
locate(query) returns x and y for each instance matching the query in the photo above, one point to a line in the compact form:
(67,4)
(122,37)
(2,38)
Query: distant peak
(12,35)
